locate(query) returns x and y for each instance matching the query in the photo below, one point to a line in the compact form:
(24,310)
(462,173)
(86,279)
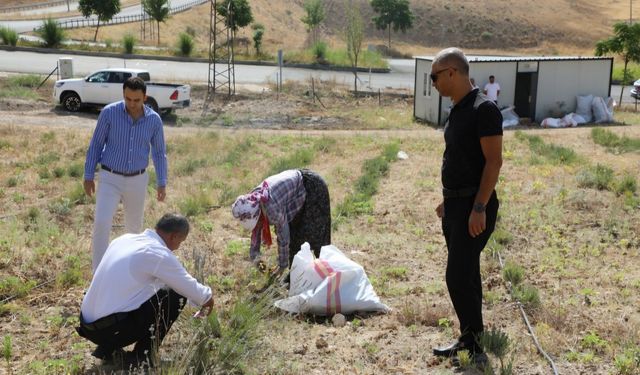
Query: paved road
(626,97)
(73,5)
(401,76)
(24,26)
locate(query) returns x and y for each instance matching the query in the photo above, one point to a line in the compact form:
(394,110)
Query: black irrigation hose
(35,287)
(526,321)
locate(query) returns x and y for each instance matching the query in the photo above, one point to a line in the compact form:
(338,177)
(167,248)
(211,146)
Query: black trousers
(146,326)
(313,223)
(463,263)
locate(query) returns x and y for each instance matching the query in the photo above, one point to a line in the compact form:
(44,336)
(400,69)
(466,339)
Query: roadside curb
(53,51)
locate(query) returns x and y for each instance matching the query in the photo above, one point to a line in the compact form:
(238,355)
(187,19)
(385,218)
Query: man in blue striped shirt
(127,131)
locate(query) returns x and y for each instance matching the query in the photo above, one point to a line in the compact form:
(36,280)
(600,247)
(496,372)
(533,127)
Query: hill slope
(490,26)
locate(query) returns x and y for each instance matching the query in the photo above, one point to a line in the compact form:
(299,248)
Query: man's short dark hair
(173,223)
(492,77)
(135,84)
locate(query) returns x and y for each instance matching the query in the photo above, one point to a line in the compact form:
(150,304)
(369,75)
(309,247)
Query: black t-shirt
(463,160)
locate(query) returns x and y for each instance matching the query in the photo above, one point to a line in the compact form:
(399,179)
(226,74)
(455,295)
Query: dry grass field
(569,226)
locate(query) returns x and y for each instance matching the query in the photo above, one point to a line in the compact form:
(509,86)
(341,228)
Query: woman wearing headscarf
(296,203)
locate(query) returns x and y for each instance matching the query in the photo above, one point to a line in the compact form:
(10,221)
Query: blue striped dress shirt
(123,145)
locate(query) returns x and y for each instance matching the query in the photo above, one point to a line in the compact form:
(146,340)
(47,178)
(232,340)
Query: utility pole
(222,77)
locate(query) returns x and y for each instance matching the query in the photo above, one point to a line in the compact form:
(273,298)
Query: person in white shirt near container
(492,89)
(138,291)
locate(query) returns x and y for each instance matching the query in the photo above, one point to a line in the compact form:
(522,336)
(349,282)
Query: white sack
(602,110)
(328,285)
(583,107)
(509,117)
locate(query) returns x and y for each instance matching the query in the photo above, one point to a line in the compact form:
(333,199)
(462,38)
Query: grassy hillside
(491,26)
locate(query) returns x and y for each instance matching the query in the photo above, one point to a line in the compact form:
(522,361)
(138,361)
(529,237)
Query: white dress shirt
(133,269)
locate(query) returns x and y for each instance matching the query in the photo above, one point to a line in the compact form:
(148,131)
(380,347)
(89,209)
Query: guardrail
(19,8)
(90,22)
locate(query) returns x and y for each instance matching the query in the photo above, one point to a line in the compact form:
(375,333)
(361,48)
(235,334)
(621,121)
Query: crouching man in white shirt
(138,291)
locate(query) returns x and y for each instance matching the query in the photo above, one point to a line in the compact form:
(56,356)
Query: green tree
(158,10)
(625,43)
(354,35)
(314,17)
(392,13)
(237,14)
(258,33)
(103,9)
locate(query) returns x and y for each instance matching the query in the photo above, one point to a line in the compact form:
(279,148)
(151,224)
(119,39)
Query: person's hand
(477,223)
(440,210)
(205,310)
(162,193)
(89,187)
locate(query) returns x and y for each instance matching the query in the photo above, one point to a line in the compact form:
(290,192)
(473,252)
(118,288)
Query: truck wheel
(71,102)
(151,102)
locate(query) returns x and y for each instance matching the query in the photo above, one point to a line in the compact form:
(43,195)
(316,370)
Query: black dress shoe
(449,351)
(105,354)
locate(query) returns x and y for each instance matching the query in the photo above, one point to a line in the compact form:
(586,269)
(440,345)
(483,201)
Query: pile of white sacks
(589,109)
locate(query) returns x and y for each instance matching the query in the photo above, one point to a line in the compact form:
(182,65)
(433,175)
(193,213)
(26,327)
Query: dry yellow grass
(511,27)
(578,246)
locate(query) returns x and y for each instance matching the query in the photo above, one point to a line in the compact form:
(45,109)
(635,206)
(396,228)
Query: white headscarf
(246,208)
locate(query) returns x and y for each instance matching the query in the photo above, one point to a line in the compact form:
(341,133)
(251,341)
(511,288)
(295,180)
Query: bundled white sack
(602,109)
(328,285)
(509,117)
(583,107)
(569,120)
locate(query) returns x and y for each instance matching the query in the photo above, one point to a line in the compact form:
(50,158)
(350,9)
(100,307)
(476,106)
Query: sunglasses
(434,76)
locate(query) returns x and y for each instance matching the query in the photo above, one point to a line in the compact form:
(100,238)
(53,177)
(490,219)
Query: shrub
(513,273)
(7,351)
(191,31)
(319,50)
(599,177)
(627,184)
(12,181)
(12,286)
(298,159)
(52,34)
(234,247)
(613,142)
(527,295)
(75,170)
(25,80)
(58,172)
(190,166)
(185,44)
(128,42)
(8,36)
(72,274)
(486,36)
(195,204)
(497,343)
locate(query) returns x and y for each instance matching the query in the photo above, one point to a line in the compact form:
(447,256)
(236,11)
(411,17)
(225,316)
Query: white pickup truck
(105,86)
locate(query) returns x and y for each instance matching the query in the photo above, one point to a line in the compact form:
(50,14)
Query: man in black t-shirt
(470,169)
